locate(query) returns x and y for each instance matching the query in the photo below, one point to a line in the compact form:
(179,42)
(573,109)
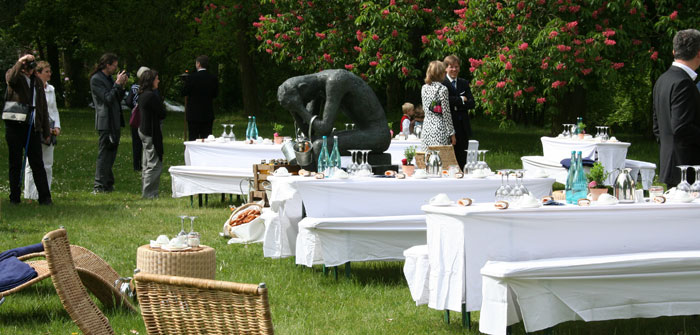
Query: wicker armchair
(181,305)
(73,294)
(96,275)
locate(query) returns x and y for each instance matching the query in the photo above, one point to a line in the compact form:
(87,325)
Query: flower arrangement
(277,128)
(409,153)
(596,176)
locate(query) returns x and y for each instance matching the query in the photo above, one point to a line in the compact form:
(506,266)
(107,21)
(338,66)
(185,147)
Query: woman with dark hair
(152,112)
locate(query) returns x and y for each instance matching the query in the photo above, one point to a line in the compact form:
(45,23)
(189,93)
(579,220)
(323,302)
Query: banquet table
(611,155)
(362,197)
(462,239)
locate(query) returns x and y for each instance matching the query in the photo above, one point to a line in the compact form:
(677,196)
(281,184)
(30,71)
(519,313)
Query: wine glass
(231,136)
(515,191)
(482,162)
(502,191)
(606,135)
(346,126)
(565,131)
(365,164)
(695,188)
(182,225)
(224,134)
(683,186)
(353,126)
(193,237)
(520,174)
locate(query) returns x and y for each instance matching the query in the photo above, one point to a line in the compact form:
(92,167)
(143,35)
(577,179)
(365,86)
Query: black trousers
(106,155)
(136,148)
(16,137)
(197,130)
(463,131)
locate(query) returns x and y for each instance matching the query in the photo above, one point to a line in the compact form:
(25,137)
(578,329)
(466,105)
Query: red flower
(278,45)
(609,33)
(586,71)
(523,46)
(394,33)
(553,34)
(437,109)
(359,36)
(589,40)
(450,42)
(255,24)
(633,11)
(530,89)
(373,63)
(544,65)
(404,161)
(328,58)
(563,48)
(299,58)
(269,51)
(405,71)
(349,67)
(385,12)
(212,6)
(617,66)
(520,5)
(198,20)
(424,39)
(517,93)
(472,69)
(509,66)
(479,82)
(320,35)
(502,58)
(655,55)
(427,10)
(392,3)
(501,84)
(358,49)
(541,100)
(268,41)
(561,66)
(519,27)
(610,42)
(500,29)
(375,37)
(673,15)
(572,24)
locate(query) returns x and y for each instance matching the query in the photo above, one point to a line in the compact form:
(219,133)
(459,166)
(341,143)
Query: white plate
(171,248)
(441,203)
(420,177)
(281,174)
(681,201)
(479,176)
(597,203)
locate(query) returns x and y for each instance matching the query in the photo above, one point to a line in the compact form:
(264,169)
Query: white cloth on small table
(646,169)
(336,241)
(191,180)
(416,269)
(547,292)
(610,154)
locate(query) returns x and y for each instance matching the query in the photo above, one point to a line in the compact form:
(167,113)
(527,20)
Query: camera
(30,66)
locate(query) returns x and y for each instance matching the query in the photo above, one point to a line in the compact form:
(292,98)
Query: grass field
(375,300)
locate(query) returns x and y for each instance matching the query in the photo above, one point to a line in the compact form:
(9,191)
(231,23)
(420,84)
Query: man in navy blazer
(461,101)
(200,89)
(677,109)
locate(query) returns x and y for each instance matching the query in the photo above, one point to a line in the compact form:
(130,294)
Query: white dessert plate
(446,203)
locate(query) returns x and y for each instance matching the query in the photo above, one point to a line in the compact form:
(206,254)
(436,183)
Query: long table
(461,239)
(366,197)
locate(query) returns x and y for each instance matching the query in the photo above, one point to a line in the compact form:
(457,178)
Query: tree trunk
(79,94)
(53,58)
(246,67)
(569,106)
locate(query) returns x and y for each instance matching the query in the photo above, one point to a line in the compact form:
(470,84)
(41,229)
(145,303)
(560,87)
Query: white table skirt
(544,293)
(462,239)
(610,154)
(336,241)
(365,197)
(191,180)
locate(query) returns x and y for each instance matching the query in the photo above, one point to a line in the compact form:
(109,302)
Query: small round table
(197,262)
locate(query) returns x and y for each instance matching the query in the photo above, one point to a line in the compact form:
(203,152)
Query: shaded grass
(375,300)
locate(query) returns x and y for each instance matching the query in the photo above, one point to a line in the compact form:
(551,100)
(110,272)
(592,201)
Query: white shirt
(687,70)
(51,105)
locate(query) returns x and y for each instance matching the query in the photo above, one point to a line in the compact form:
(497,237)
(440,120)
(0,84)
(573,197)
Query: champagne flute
(182,225)
(683,186)
(695,188)
(231,136)
(193,237)
(224,134)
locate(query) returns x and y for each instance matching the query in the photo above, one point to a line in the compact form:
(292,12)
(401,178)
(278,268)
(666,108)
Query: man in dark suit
(200,90)
(677,109)
(107,95)
(461,100)
(24,87)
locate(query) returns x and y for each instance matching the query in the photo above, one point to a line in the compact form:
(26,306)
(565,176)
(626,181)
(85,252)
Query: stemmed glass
(353,167)
(565,131)
(471,161)
(482,162)
(365,164)
(520,174)
(515,191)
(503,191)
(224,134)
(353,126)
(231,136)
(683,186)
(598,132)
(346,126)
(182,235)
(193,236)
(695,188)
(605,136)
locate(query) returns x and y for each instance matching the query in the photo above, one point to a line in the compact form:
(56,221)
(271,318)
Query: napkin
(21,251)
(14,272)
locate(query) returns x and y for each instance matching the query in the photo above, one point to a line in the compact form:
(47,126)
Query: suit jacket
(107,97)
(460,115)
(200,89)
(152,112)
(18,90)
(676,123)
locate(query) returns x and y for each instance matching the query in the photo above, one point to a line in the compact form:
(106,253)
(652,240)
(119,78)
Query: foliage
(277,127)
(409,153)
(597,175)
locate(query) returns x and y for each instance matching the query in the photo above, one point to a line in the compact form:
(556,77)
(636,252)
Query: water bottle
(334,160)
(569,187)
(579,125)
(323,165)
(254,131)
(580,187)
(247,130)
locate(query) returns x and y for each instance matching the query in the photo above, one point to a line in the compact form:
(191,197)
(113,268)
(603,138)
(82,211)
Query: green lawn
(375,300)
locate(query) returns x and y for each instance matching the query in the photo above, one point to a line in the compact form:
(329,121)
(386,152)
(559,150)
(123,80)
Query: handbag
(435,105)
(135,120)
(17,111)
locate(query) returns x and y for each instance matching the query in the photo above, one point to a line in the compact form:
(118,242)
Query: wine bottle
(323,158)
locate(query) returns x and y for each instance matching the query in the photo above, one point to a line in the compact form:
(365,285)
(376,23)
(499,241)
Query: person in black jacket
(677,109)
(152,112)
(200,90)
(461,101)
(23,86)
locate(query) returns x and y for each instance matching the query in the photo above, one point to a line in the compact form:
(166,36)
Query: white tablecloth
(366,197)
(462,239)
(548,292)
(231,154)
(191,180)
(610,154)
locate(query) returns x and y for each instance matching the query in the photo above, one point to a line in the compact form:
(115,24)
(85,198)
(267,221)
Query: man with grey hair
(132,99)
(677,109)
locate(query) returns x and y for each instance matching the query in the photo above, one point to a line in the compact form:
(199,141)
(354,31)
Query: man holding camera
(26,133)
(107,95)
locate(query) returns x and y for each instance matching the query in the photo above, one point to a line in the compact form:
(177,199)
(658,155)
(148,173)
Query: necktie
(454,84)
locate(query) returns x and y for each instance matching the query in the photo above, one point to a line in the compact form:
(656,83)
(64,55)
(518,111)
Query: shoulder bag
(17,111)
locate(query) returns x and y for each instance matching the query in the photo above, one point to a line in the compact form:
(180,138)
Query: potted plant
(407,167)
(596,177)
(277,128)
(581,130)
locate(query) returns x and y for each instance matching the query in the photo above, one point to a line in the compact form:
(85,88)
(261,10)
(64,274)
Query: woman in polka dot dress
(437,127)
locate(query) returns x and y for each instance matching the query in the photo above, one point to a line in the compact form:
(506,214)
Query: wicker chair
(446,153)
(181,305)
(97,276)
(66,280)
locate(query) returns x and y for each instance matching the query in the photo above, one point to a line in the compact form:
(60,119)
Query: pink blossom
(359,35)
(509,66)
(586,71)
(520,5)
(541,100)
(574,9)
(427,10)
(589,40)
(268,41)
(349,67)
(530,89)
(519,27)
(563,48)
(328,58)
(544,65)
(610,42)
(501,84)
(405,71)
(373,63)
(385,12)
(278,45)
(394,33)
(618,66)
(655,55)
(558,84)
(572,24)
(472,69)
(212,6)
(592,184)
(479,82)
(198,20)
(502,58)
(553,34)
(256,24)
(636,41)
(375,37)
(608,33)
(450,42)
(424,39)
(523,46)
(268,51)
(673,15)
(560,66)
(633,11)
(500,29)
(299,58)
(580,60)
(483,92)
(320,35)
(358,49)
(392,3)
(517,93)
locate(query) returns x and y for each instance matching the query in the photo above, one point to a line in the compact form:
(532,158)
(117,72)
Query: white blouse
(51,104)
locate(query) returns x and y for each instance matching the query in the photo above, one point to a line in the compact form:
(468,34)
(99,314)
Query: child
(407,109)
(417,122)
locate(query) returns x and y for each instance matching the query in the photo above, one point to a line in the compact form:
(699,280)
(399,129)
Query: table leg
(447,316)
(466,317)
(335,272)
(200,200)
(347,270)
